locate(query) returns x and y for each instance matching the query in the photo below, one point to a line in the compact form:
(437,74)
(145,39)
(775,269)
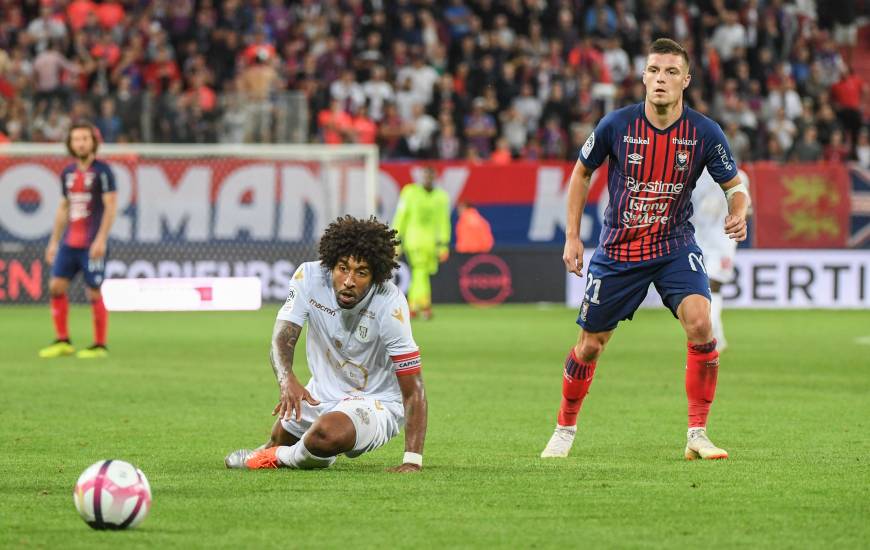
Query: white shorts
(719,264)
(376,422)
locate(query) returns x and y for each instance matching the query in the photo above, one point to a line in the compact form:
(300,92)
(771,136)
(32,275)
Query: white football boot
(698,445)
(560,443)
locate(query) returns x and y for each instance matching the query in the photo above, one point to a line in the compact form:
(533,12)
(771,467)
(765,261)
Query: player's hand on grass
(97,250)
(573,256)
(50,252)
(404,468)
(290,402)
(735,227)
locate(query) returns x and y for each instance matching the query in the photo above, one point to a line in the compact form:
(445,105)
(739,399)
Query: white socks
(716,316)
(297,456)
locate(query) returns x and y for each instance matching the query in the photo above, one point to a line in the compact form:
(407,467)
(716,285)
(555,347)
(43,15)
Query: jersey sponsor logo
(367,313)
(317,305)
(397,314)
(680,141)
(587,147)
(634,158)
(635,140)
(724,156)
(657,187)
(681,160)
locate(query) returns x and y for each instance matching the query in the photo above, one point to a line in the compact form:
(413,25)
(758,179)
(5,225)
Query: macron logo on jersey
(321,307)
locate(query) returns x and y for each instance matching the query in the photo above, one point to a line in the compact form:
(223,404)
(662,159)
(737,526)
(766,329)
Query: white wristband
(739,188)
(413,458)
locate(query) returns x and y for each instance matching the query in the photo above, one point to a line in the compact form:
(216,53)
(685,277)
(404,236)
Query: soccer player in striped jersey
(656,150)
(84,218)
(364,363)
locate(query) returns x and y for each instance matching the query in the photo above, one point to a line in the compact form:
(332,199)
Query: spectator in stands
(423,128)
(783,130)
(553,139)
(847,95)
(502,153)
(447,144)
(837,150)
(377,92)
(808,148)
(258,82)
(108,123)
(741,147)
(480,129)
(862,152)
(335,124)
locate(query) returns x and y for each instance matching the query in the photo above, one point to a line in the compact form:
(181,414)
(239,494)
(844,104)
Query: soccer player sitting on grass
(364,363)
(657,150)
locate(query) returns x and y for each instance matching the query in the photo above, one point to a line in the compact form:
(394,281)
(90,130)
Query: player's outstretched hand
(735,227)
(290,402)
(573,256)
(405,468)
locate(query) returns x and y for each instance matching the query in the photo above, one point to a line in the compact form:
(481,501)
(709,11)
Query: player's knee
(57,288)
(322,442)
(699,328)
(589,349)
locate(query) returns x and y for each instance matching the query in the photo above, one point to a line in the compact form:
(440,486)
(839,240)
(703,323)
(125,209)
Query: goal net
(188,210)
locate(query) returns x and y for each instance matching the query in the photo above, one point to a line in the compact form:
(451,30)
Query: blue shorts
(70,261)
(614,290)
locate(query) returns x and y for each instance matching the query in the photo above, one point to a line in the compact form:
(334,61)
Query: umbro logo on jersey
(634,140)
(634,158)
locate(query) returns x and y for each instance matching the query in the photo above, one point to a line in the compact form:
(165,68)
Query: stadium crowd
(474,79)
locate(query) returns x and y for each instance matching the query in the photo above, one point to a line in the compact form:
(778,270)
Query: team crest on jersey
(362,333)
(681,162)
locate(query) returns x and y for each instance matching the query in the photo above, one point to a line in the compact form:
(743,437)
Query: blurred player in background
(84,218)
(657,150)
(423,222)
(711,209)
(364,363)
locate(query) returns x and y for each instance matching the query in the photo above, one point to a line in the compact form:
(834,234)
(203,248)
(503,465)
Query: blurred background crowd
(458,79)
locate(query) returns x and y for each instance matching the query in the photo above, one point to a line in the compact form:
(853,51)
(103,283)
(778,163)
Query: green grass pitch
(181,390)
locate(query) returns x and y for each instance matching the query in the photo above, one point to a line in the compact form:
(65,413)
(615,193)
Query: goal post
(194,210)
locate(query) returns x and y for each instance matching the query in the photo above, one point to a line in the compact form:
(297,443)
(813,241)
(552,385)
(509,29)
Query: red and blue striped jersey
(651,175)
(84,189)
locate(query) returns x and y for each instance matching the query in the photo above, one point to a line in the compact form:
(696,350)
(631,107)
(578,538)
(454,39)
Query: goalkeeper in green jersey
(423,222)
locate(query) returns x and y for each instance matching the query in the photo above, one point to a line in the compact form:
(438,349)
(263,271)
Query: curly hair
(367,240)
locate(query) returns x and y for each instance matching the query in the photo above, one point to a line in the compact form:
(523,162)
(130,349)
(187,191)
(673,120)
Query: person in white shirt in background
(710,209)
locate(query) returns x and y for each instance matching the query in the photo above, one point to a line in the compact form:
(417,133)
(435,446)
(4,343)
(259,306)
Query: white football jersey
(352,352)
(710,208)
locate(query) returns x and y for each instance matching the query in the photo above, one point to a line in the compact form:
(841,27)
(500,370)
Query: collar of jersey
(669,128)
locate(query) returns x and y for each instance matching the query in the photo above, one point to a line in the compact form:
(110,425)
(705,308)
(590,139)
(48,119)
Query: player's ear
(687,80)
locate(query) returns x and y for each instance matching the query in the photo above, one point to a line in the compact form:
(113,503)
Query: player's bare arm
(578,189)
(61,218)
(284,338)
(416,413)
(110,207)
(738,208)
